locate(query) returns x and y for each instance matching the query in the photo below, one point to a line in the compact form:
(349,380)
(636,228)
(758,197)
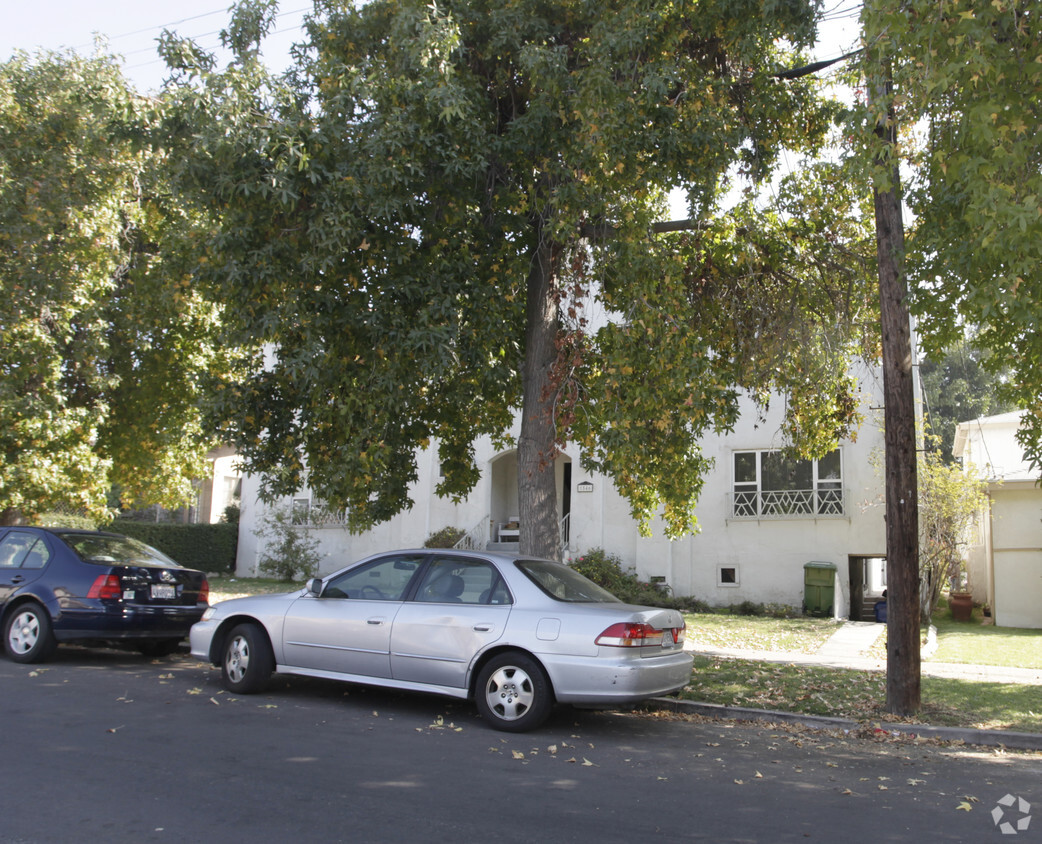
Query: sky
(132,26)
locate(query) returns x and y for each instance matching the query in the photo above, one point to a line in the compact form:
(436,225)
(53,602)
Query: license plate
(164,591)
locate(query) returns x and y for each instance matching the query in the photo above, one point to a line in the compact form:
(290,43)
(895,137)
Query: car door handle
(482,628)
(376,622)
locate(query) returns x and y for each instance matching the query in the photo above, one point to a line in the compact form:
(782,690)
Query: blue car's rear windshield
(564,584)
(94,548)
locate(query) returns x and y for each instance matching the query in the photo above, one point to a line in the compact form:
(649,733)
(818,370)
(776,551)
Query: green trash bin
(819,588)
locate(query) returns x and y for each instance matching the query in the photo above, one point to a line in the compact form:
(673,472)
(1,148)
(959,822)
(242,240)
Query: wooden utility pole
(903,663)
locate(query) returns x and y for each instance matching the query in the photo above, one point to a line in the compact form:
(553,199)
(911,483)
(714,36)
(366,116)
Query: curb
(984,738)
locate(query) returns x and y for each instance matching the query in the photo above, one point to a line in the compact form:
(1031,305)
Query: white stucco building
(763,519)
(1004,560)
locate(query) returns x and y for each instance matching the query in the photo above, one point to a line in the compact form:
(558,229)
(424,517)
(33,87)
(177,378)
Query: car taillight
(204,592)
(631,635)
(105,586)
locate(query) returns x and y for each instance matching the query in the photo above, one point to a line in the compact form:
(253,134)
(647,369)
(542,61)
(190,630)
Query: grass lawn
(721,630)
(860,695)
(978,644)
(224,588)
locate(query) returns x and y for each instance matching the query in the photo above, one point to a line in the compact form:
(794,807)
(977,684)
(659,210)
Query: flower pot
(961,605)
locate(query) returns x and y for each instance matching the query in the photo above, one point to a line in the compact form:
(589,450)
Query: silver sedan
(515,634)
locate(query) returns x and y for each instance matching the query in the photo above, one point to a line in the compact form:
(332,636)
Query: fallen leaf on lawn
(964,807)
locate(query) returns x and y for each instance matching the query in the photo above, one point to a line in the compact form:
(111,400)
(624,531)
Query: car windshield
(96,548)
(564,584)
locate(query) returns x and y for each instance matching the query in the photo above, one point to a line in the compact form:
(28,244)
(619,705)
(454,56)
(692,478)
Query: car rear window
(564,584)
(115,549)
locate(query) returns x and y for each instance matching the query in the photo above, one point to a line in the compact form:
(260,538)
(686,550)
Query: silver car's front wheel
(248,661)
(513,693)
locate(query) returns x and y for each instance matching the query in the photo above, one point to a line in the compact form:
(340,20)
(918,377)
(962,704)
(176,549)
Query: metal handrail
(475,539)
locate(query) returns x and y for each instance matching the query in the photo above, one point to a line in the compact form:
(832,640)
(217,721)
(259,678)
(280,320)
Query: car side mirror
(315,587)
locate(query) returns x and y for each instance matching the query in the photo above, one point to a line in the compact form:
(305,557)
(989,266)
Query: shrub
(447,537)
(606,570)
(209,548)
(290,552)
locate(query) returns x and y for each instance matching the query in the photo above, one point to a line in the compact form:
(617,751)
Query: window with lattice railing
(773,485)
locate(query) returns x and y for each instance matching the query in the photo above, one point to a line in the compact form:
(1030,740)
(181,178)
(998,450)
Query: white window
(772,485)
(313,512)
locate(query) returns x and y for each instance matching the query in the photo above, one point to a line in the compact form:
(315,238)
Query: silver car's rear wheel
(247,662)
(513,693)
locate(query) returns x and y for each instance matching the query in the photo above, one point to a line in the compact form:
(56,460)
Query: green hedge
(210,548)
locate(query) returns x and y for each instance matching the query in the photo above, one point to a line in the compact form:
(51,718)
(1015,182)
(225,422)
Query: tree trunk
(903,664)
(536,448)
(11,516)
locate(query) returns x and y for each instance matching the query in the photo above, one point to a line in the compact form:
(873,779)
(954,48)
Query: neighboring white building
(762,519)
(221,489)
(1005,561)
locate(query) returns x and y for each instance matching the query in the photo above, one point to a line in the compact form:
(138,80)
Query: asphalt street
(109,746)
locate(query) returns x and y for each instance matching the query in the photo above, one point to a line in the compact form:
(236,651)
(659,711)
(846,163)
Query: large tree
(957,388)
(969,77)
(420,223)
(106,345)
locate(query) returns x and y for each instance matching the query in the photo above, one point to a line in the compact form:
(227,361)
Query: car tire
(158,647)
(513,693)
(28,636)
(247,660)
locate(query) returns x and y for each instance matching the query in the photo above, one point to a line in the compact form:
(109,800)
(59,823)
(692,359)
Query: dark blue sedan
(63,585)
